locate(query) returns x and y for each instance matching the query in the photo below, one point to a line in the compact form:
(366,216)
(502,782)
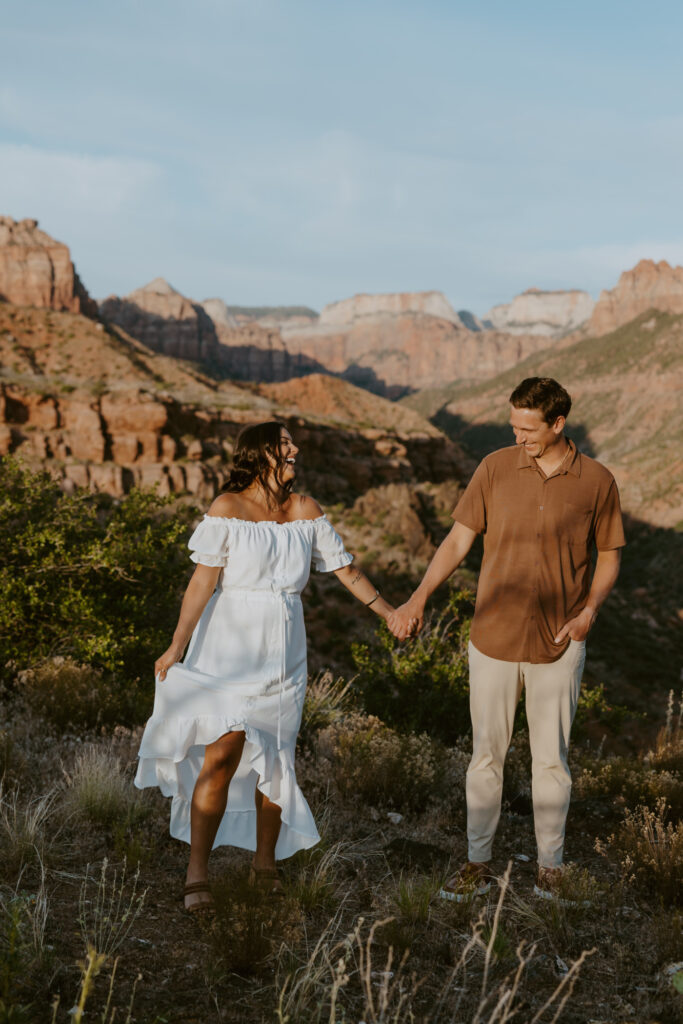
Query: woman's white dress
(245,670)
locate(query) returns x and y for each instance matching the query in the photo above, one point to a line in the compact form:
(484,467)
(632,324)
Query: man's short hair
(544,394)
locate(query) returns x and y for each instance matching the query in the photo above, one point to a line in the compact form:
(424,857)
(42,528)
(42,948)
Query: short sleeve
(209,543)
(328,551)
(471,509)
(609,528)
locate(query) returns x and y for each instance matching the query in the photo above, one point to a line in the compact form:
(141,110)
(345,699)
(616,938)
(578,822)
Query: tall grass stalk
(108,917)
(23,839)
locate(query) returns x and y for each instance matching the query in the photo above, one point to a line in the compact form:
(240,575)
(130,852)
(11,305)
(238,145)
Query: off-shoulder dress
(245,670)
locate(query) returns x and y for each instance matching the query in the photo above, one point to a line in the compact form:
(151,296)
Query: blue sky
(298,152)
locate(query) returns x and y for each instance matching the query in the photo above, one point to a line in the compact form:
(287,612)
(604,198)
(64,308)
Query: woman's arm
(200,588)
(357,583)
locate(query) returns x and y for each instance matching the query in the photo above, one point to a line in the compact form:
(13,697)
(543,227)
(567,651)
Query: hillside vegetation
(91,924)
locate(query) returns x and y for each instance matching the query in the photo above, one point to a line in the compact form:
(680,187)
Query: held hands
(578,627)
(162,664)
(406,621)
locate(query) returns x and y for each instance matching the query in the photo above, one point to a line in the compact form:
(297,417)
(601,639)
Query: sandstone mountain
(101,410)
(549,313)
(389,344)
(648,285)
(396,354)
(626,389)
(361,307)
(35,270)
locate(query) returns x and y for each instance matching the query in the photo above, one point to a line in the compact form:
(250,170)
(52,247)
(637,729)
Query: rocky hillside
(103,411)
(552,314)
(648,285)
(626,388)
(389,344)
(35,270)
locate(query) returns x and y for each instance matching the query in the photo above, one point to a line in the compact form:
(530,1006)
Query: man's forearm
(446,560)
(604,578)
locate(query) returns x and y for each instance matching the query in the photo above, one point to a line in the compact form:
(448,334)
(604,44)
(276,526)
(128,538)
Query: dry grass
(359,934)
(99,791)
(649,849)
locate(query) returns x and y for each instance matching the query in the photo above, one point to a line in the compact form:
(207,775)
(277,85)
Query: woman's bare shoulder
(226,506)
(305,507)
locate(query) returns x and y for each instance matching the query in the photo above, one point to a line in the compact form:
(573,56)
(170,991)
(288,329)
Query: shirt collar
(571,465)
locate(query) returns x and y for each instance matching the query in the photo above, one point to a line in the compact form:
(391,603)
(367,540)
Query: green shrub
(85,576)
(422,685)
(372,762)
(74,697)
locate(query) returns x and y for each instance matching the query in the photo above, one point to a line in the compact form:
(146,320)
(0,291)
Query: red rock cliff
(35,270)
(648,285)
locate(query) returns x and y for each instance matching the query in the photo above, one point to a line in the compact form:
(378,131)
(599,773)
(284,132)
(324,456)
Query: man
(541,506)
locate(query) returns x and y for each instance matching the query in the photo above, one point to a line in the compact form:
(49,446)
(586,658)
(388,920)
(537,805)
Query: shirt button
(540,508)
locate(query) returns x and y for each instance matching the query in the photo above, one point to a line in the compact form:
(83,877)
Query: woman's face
(288,454)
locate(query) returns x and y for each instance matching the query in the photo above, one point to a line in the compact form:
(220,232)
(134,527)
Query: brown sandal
(207,907)
(266,880)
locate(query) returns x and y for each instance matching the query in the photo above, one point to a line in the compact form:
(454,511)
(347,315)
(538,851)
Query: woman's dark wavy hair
(250,461)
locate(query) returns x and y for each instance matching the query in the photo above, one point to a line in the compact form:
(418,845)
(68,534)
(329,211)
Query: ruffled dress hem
(161,763)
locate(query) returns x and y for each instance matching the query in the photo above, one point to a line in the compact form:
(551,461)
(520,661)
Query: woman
(228,716)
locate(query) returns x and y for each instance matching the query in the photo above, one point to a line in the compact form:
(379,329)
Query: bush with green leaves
(86,576)
(421,685)
(381,766)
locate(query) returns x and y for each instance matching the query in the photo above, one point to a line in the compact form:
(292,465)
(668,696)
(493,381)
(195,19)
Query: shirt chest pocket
(576,523)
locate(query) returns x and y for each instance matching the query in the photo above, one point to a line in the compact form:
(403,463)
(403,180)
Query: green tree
(86,576)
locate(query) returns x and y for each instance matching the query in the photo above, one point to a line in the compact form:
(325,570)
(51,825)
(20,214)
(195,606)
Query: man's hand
(406,621)
(578,627)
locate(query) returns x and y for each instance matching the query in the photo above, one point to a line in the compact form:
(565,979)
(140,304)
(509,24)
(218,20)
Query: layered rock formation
(361,307)
(165,321)
(219,313)
(549,313)
(35,270)
(105,412)
(394,355)
(648,285)
(389,344)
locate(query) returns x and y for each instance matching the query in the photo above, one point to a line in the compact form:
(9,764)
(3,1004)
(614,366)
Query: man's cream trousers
(552,692)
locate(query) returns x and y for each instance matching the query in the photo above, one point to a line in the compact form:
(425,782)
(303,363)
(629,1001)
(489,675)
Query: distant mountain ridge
(550,313)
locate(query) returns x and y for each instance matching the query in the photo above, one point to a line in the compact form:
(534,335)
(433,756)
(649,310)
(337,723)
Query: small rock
(523,857)
(561,966)
(394,817)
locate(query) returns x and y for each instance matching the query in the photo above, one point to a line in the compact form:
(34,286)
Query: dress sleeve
(209,543)
(328,551)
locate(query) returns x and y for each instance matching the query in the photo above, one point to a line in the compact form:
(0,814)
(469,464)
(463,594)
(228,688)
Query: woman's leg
(267,831)
(209,800)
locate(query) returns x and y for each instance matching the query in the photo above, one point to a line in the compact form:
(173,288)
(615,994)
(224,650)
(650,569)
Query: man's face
(532,431)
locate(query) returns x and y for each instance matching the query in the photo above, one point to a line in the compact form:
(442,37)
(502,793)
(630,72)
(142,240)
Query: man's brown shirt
(538,534)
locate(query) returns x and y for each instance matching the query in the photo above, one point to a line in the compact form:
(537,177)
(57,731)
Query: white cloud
(40,182)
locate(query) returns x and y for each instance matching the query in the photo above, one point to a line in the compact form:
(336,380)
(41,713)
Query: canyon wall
(648,285)
(35,270)
(549,313)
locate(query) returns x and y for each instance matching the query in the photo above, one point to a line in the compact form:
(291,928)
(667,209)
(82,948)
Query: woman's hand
(168,658)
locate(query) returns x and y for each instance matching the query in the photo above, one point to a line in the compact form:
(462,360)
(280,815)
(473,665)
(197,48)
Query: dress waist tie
(285,600)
